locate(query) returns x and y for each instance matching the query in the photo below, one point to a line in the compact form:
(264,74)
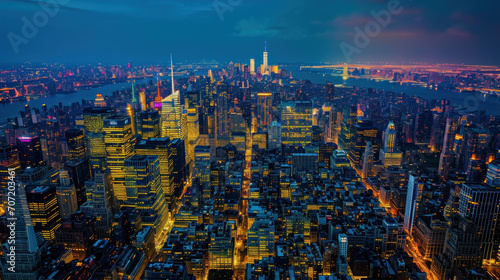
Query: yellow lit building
(119,143)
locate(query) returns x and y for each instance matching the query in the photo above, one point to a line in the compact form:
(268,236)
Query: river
(467,100)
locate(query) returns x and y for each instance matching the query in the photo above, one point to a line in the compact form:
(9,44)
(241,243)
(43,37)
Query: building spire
(265,46)
(158,97)
(133,92)
(172,73)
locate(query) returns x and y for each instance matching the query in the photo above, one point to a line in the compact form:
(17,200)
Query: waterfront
(469,101)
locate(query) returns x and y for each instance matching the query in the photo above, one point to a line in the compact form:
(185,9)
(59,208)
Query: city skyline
(173,140)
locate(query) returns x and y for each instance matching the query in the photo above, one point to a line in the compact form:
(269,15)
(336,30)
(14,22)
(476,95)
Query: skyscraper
(252,66)
(202,159)
(171,117)
(44,210)
(367,161)
(493,175)
(447,155)
(148,124)
(93,119)
(100,203)
(160,147)
(79,172)
(66,195)
(390,154)
(193,133)
(364,132)
(423,127)
(349,120)
(296,122)
(30,151)
(264,105)
(480,203)
(144,192)
(413,199)
(265,65)
(274,135)
(76,144)
(119,143)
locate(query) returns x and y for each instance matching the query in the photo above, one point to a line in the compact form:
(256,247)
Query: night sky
(305,31)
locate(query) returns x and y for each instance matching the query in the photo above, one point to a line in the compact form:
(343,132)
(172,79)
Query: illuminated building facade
(264,105)
(260,239)
(144,191)
(44,210)
(93,119)
(390,154)
(171,117)
(220,250)
(119,142)
(160,147)
(148,124)
(296,122)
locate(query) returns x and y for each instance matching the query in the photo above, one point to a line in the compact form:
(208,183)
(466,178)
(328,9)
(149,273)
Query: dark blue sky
(146,31)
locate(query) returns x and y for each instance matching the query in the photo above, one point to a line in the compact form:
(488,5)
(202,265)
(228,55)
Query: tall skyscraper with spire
(266,66)
(158,100)
(171,114)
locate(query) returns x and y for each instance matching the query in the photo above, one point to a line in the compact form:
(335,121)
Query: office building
(493,175)
(148,124)
(413,199)
(66,195)
(274,136)
(30,151)
(93,119)
(79,172)
(100,203)
(119,142)
(75,140)
(390,154)
(296,122)
(144,192)
(78,234)
(44,210)
(161,148)
(260,238)
(480,203)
